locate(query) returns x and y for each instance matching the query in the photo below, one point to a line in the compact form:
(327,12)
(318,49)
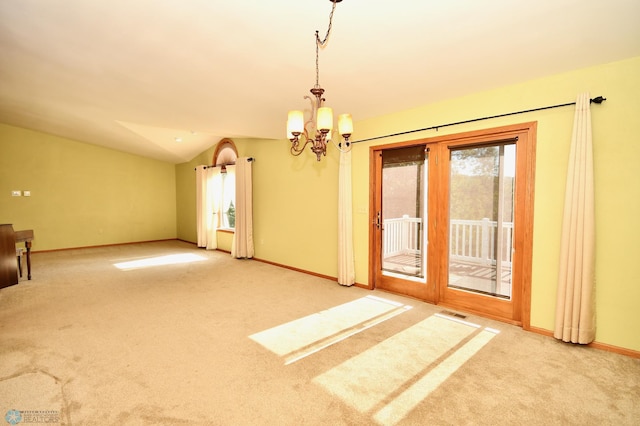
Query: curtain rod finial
(597,100)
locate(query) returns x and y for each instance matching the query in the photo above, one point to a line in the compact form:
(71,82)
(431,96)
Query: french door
(451,220)
(401,213)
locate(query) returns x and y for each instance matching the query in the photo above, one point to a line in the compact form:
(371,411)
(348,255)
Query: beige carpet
(104,337)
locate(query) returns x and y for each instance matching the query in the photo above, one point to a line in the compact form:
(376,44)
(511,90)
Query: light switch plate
(26,193)
(15,193)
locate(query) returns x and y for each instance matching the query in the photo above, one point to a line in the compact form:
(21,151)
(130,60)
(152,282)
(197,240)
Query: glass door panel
(481,216)
(403,213)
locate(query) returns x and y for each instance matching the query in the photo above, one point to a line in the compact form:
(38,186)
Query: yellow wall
(83,195)
(295,207)
(617,154)
(287,192)
(295,198)
(186,195)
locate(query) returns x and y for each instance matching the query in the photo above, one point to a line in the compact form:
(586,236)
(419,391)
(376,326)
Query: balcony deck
(472,264)
(402,262)
(462,275)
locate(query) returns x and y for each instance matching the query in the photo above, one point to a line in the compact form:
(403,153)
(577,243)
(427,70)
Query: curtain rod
(597,100)
(226,164)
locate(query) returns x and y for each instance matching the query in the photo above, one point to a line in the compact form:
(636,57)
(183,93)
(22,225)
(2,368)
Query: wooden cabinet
(8,263)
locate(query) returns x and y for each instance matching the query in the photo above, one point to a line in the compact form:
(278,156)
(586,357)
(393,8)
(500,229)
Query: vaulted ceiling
(135,75)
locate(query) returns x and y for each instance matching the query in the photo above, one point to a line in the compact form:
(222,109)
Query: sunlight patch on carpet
(401,405)
(302,337)
(170,259)
(391,378)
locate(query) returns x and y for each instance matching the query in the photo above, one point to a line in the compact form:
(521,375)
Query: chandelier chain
(322,43)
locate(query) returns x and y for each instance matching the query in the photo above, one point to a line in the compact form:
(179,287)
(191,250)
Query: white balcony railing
(402,235)
(472,241)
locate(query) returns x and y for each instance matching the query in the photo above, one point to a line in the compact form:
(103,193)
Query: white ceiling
(134,75)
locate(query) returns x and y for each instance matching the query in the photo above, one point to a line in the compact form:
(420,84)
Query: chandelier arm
(316,103)
(296,149)
(296,152)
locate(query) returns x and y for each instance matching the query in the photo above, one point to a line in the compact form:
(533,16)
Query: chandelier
(321,120)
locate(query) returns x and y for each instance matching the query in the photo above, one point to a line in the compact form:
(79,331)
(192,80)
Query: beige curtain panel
(201,200)
(242,245)
(575,309)
(207,183)
(346,266)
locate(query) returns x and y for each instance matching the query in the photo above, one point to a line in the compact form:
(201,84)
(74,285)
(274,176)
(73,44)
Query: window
(225,156)
(228,199)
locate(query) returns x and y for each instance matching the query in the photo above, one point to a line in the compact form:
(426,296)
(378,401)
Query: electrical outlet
(15,193)
(26,193)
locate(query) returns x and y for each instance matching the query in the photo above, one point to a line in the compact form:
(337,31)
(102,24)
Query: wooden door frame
(524,215)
